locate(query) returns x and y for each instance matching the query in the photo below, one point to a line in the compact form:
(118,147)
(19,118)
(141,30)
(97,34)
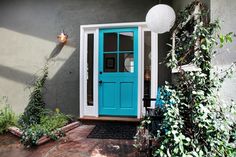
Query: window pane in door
(110,42)
(126,40)
(110,62)
(126,62)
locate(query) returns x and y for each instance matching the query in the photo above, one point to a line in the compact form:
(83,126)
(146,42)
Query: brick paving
(74,144)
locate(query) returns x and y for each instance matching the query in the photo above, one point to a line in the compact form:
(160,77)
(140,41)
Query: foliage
(48,126)
(36,105)
(142,137)
(51,122)
(38,121)
(198,123)
(7,117)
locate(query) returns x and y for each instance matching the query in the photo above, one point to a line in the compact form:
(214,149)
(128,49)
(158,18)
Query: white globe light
(160,18)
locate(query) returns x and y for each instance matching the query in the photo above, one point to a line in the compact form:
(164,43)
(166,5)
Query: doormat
(113,131)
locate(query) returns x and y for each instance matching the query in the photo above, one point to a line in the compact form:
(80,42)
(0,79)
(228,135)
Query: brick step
(110,119)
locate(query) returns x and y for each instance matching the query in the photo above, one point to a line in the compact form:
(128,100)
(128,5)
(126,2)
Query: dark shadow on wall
(62,91)
(13,74)
(16,75)
(56,50)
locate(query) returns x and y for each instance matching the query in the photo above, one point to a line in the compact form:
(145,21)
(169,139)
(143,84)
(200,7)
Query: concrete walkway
(75,144)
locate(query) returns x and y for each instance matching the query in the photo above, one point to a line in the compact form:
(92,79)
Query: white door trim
(94,29)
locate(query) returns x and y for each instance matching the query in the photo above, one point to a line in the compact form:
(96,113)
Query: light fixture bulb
(62,38)
(160,18)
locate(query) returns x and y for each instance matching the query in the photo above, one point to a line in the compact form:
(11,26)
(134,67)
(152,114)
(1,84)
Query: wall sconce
(62,38)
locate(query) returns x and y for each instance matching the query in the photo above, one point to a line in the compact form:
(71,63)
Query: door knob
(100,81)
(100,72)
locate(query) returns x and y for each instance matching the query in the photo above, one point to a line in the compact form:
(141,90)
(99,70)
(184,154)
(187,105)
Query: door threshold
(112,119)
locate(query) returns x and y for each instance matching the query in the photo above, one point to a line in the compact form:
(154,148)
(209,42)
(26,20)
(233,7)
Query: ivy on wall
(197,123)
(36,105)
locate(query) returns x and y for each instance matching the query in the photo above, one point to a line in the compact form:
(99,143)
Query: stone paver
(74,144)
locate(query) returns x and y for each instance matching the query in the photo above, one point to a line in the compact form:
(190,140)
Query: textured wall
(226,13)
(28,30)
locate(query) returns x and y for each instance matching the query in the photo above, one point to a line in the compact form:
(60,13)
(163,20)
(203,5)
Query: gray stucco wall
(28,30)
(225,11)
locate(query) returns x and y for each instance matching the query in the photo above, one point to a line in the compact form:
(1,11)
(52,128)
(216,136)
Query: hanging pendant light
(160,18)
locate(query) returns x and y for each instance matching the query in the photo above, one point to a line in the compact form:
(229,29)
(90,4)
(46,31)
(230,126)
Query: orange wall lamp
(62,38)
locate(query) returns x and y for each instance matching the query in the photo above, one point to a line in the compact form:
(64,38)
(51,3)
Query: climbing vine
(197,123)
(36,104)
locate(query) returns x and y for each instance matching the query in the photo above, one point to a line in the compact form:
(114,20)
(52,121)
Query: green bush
(38,121)
(48,126)
(52,122)
(7,119)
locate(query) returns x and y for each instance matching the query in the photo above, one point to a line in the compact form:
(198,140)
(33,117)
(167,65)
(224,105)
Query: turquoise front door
(118,71)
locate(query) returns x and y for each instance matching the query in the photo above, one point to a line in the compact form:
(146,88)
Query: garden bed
(37,124)
(16,131)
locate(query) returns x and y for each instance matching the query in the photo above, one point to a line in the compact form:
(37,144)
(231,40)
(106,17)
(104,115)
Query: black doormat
(113,131)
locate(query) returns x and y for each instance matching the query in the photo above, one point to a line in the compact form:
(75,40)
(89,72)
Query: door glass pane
(110,42)
(126,41)
(126,62)
(110,62)
(90,48)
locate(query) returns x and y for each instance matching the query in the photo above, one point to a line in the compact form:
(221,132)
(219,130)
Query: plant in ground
(197,123)
(7,116)
(54,120)
(48,126)
(36,103)
(37,121)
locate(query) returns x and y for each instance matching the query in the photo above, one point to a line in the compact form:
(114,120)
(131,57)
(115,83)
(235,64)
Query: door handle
(100,81)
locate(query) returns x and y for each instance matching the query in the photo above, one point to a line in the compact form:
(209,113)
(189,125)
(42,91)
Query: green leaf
(195,154)
(222,38)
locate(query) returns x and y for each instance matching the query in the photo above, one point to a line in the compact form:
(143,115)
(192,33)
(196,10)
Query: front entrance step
(111,119)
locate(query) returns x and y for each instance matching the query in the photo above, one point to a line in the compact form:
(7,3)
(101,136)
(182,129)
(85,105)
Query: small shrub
(38,121)
(53,122)
(7,118)
(48,126)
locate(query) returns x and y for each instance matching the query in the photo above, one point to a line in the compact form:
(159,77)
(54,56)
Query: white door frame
(86,110)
